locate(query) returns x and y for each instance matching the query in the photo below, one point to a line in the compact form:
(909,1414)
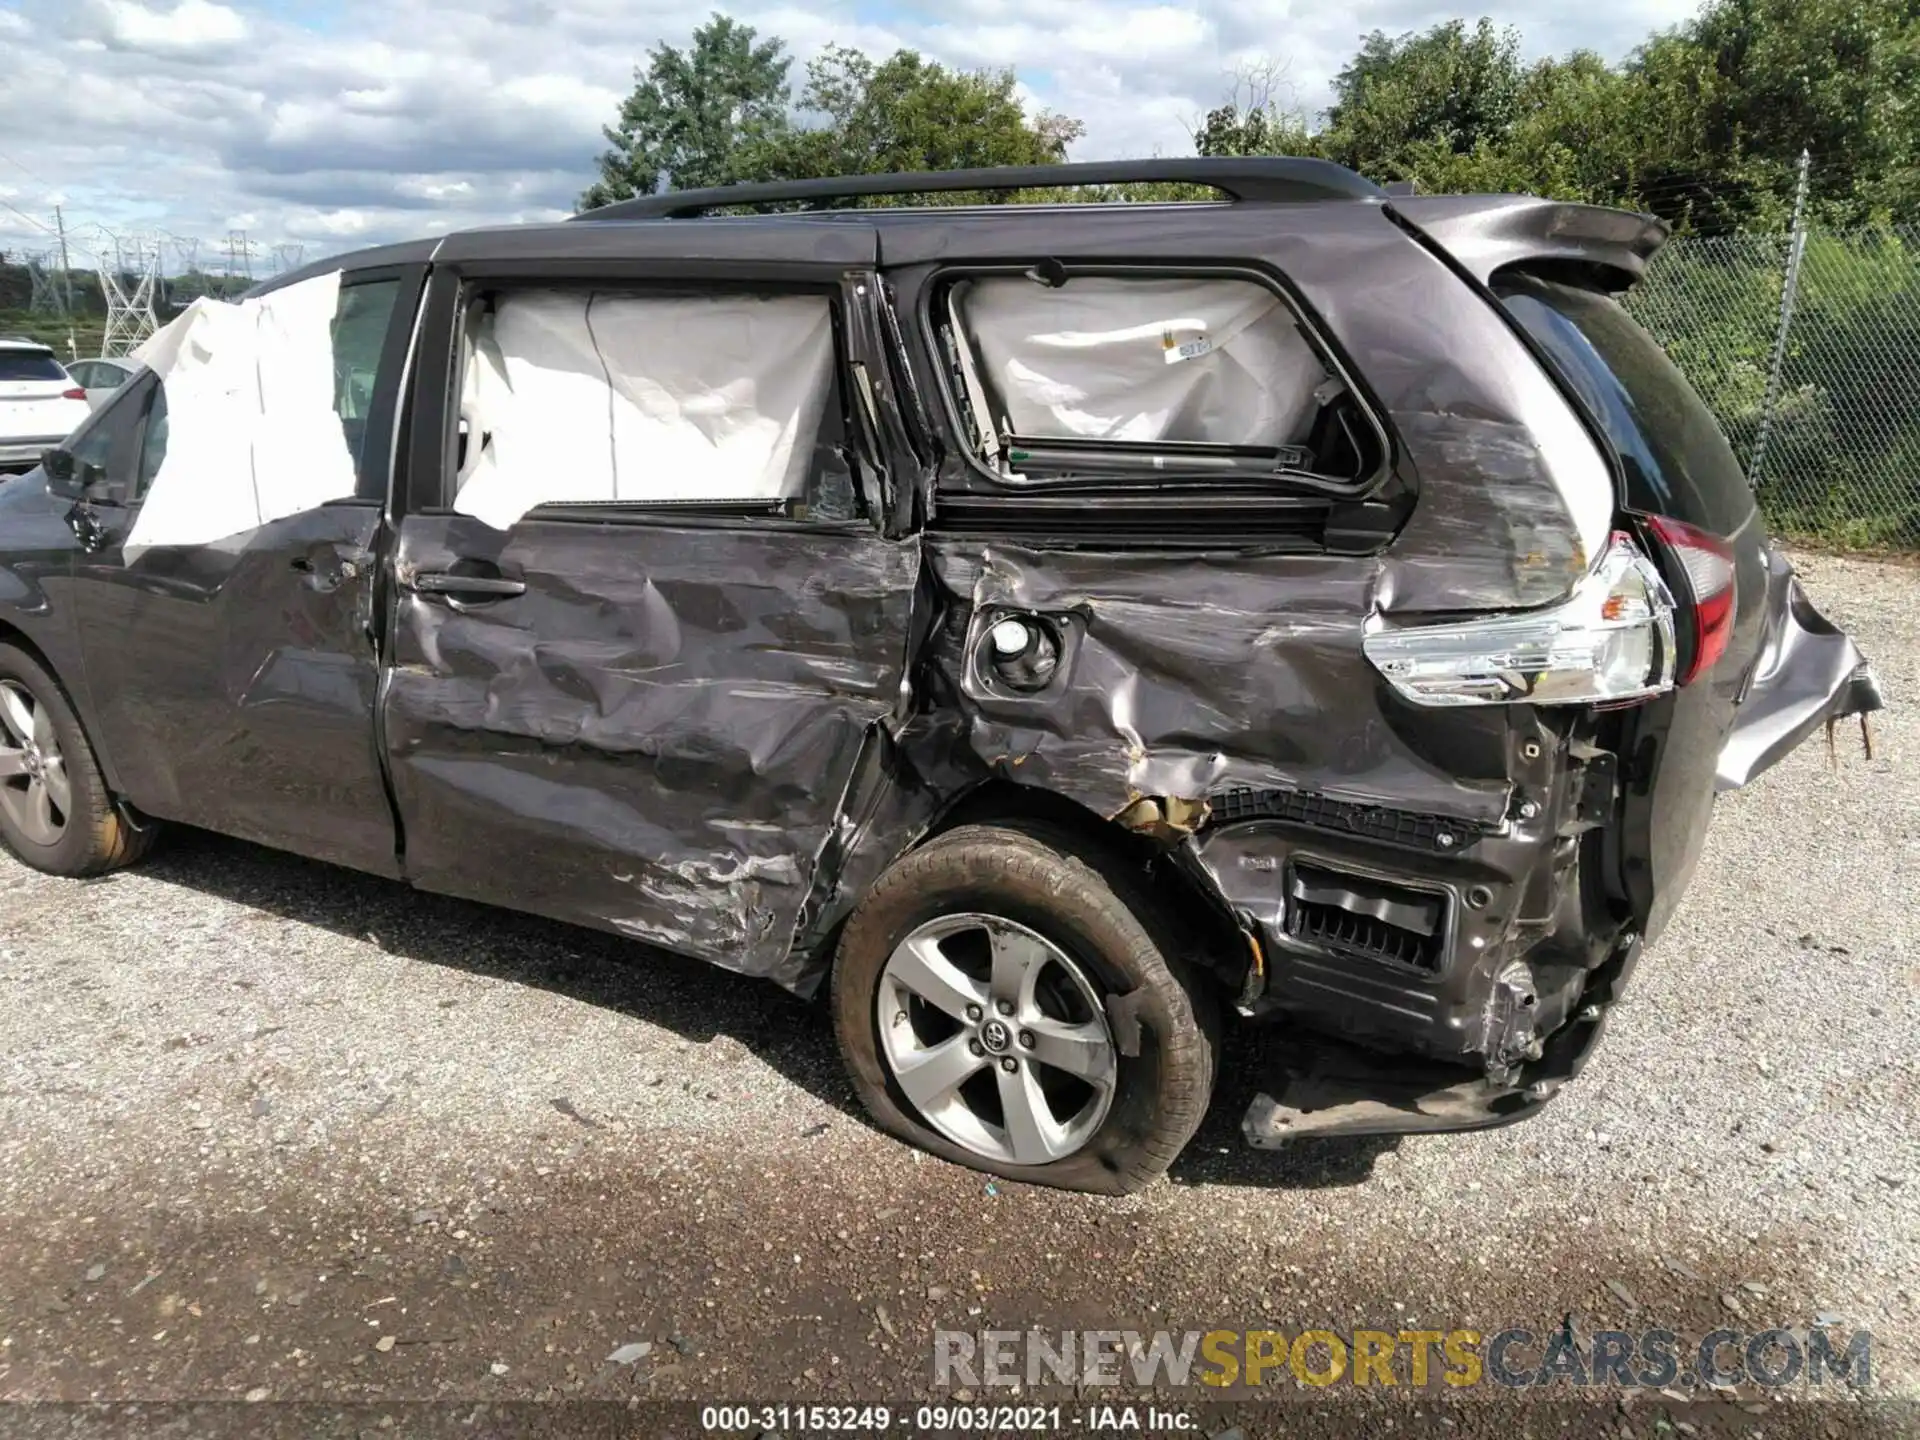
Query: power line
(27,169)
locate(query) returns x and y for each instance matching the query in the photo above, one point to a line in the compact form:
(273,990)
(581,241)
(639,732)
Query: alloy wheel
(35,793)
(998,1037)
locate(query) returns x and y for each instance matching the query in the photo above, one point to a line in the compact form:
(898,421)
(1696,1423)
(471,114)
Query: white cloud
(380,119)
(191,26)
(331,224)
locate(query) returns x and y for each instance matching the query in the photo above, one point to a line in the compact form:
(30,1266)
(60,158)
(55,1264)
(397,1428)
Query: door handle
(467,587)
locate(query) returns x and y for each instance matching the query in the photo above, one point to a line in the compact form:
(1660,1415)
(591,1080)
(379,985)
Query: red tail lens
(74,394)
(1708,563)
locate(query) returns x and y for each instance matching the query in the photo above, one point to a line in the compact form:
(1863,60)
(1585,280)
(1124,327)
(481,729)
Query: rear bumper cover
(1323,1087)
(1809,673)
(1512,1013)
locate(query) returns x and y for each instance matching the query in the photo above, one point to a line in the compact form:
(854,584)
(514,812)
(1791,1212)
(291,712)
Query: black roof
(1483,232)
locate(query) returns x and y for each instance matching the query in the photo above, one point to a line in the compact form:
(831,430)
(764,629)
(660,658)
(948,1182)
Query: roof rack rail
(1264,179)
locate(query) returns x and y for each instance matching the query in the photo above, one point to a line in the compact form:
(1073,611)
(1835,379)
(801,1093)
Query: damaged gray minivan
(1051,628)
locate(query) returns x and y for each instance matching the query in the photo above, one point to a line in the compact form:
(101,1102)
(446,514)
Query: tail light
(1612,639)
(1707,561)
(76,393)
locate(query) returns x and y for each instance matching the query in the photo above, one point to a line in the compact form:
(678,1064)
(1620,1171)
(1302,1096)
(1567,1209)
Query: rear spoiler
(1488,233)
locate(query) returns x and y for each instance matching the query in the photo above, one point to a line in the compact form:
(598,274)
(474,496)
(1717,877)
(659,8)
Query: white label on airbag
(1191,350)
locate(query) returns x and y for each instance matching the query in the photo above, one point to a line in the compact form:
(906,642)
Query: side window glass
(153,442)
(96,443)
(81,373)
(1062,377)
(359,334)
(599,397)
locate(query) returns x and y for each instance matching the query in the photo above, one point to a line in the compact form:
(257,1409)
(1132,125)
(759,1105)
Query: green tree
(1703,124)
(1404,102)
(720,113)
(909,113)
(694,114)
(1252,121)
(1732,97)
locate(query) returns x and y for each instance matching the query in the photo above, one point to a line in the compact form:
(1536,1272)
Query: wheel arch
(1005,847)
(1212,942)
(11,634)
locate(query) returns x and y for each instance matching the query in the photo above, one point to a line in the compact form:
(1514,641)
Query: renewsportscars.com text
(1516,1357)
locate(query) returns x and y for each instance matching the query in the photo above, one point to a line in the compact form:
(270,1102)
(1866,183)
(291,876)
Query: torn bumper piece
(1809,673)
(1322,1087)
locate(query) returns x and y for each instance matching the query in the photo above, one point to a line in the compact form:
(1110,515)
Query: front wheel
(1011,1006)
(55,812)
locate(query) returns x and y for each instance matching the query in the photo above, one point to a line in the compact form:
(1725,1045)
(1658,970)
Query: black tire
(1098,913)
(96,837)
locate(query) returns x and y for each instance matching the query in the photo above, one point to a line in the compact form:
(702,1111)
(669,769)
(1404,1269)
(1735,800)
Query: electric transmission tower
(240,255)
(290,253)
(49,294)
(130,298)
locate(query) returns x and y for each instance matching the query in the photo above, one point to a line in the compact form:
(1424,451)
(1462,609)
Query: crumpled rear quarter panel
(1194,675)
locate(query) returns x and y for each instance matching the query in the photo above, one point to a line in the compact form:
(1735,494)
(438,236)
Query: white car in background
(100,378)
(39,403)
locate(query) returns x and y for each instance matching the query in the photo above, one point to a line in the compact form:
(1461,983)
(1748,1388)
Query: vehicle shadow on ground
(696,1001)
(1217,1155)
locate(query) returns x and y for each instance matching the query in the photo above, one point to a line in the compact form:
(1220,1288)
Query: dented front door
(234,681)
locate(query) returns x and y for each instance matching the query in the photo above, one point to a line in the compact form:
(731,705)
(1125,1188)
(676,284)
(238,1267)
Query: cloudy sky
(329,124)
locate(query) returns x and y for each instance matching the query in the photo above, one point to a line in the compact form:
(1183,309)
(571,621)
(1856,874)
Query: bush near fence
(1833,445)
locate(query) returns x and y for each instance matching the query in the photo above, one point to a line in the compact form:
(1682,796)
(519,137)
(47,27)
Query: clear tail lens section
(1707,561)
(1611,640)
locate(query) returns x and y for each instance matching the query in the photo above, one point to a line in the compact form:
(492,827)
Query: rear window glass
(1677,460)
(29,365)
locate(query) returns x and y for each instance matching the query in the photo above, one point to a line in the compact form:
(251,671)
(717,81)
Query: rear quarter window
(1136,379)
(1675,457)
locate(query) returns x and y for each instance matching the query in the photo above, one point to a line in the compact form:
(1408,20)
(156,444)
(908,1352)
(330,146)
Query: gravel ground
(274,1130)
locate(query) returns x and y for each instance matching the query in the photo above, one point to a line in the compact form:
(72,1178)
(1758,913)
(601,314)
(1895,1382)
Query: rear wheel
(1014,1007)
(55,812)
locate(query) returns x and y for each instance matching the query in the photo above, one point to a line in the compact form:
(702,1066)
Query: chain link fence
(1807,346)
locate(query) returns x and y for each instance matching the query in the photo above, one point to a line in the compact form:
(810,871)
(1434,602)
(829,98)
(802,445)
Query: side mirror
(72,478)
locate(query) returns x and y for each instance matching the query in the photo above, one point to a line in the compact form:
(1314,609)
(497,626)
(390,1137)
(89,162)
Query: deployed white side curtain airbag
(1107,358)
(579,397)
(252,434)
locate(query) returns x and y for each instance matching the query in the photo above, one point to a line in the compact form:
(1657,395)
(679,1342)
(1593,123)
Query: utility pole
(66,272)
(1789,292)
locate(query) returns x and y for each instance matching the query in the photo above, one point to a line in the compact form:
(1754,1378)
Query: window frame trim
(137,486)
(374,466)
